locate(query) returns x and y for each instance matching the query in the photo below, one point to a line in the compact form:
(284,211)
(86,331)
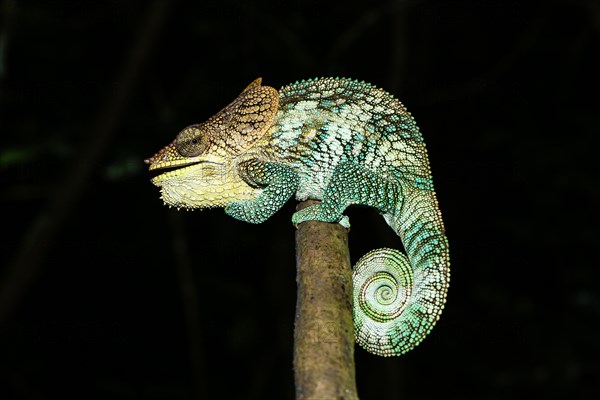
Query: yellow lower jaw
(197,187)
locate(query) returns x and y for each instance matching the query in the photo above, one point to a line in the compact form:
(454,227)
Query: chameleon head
(205,156)
(198,177)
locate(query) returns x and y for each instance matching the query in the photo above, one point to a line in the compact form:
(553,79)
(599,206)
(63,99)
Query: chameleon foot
(315,213)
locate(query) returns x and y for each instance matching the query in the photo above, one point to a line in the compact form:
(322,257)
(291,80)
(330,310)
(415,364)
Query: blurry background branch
(190,300)
(37,242)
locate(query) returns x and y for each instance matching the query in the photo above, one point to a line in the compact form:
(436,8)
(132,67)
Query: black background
(95,270)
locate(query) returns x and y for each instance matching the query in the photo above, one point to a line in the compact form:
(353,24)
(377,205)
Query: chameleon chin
(345,143)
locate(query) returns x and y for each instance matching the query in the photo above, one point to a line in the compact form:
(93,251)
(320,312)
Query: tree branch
(324,329)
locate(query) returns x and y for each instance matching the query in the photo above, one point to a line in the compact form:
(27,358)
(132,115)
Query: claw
(345,222)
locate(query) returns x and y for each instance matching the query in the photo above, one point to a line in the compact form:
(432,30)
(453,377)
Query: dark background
(107,294)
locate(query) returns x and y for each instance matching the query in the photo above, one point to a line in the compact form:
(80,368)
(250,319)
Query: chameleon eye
(190,142)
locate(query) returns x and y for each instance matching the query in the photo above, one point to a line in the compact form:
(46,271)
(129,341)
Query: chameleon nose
(164,154)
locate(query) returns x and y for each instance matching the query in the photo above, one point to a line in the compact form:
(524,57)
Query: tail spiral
(383,284)
(395,306)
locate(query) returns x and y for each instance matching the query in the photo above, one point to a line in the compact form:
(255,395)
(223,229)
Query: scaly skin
(342,142)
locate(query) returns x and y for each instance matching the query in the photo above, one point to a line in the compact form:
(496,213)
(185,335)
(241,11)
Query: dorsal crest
(246,119)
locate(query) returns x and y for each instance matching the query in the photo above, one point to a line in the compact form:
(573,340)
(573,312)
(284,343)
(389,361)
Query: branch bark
(324,329)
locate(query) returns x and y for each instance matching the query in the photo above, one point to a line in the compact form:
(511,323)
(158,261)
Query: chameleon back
(323,122)
(356,144)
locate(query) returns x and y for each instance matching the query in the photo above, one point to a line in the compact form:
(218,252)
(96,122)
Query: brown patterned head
(206,152)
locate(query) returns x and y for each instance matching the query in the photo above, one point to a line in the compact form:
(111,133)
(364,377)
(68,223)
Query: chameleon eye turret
(343,142)
(191,141)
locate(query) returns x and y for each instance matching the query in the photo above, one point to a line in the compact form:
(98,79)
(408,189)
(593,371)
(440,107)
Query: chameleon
(343,142)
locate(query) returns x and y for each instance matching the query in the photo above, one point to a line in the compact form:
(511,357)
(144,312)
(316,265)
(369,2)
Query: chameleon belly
(345,143)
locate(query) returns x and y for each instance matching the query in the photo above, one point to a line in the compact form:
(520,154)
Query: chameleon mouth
(178,168)
(163,169)
(173,164)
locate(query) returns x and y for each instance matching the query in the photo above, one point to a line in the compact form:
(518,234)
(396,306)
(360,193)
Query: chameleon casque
(343,142)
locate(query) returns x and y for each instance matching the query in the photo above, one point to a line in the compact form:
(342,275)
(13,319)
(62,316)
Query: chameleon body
(345,143)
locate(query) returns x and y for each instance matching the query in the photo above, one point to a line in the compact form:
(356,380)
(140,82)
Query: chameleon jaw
(203,184)
(203,181)
(181,166)
(173,163)
(185,169)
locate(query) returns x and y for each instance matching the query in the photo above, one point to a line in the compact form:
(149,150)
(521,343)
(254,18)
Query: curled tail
(398,299)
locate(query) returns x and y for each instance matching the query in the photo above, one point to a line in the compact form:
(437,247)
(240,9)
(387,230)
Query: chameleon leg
(351,184)
(280,181)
